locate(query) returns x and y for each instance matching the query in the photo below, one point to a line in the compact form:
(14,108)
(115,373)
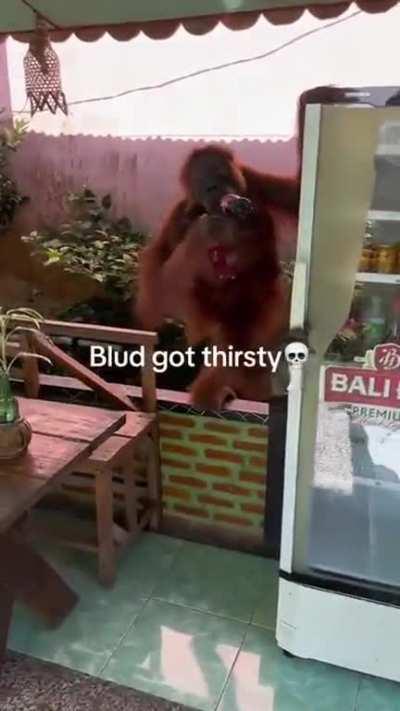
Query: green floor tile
(174,626)
(263,679)
(219,581)
(93,630)
(178,654)
(378,695)
(266,611)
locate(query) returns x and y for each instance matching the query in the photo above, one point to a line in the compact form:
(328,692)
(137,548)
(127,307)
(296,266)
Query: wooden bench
(53,453)
(111,470)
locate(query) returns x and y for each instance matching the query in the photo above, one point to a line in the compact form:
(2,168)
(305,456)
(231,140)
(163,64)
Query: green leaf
(52,260)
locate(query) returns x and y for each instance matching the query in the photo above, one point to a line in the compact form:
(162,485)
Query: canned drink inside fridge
(386,262)
(368,260)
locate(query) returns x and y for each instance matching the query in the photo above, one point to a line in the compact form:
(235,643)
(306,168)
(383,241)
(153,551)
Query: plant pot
(14,439)
(15,431)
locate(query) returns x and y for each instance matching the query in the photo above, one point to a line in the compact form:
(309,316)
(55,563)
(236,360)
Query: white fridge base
(345,631)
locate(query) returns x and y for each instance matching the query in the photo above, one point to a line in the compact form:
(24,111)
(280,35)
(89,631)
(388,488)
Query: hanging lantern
(42,73)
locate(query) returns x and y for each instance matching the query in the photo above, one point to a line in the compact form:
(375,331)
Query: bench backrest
(102,334)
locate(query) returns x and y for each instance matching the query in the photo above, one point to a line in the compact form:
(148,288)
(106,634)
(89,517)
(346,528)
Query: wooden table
(63,436)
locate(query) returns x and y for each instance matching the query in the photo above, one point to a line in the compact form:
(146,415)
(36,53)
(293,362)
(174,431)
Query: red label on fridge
(361,386)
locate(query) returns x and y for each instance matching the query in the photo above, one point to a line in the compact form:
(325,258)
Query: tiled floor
(193,624)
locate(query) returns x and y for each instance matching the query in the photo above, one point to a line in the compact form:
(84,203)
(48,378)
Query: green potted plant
(15,431)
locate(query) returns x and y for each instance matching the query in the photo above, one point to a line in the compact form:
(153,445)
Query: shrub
(90,242)
(10,198)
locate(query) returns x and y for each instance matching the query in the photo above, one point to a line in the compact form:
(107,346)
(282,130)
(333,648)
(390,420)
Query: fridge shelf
(388,150)
(376,278)
(384,215)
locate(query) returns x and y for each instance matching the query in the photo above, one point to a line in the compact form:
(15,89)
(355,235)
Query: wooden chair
(113,464)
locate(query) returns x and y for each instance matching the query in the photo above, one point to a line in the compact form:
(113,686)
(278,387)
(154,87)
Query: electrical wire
(218,67)
(38,13)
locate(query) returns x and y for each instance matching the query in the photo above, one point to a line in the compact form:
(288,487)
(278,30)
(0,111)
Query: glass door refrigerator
(339,590)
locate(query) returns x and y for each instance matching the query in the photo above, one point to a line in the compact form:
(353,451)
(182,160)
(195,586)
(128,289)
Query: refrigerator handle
(298,301)
(295,397)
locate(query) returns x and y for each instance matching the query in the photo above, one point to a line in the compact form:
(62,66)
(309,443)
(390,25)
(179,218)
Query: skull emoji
(296,354)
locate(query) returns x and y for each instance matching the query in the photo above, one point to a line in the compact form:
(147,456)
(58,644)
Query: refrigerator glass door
(343,468)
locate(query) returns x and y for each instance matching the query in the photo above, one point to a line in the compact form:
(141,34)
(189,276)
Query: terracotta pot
(14,439)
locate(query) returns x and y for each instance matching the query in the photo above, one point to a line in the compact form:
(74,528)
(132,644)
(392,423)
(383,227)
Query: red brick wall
(214,470)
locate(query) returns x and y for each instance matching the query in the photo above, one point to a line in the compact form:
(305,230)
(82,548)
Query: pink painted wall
(5,96)
(141,174)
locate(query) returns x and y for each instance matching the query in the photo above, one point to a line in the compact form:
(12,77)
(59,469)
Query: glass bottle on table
(8,403)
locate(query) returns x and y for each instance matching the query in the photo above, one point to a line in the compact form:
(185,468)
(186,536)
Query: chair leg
(32,581)
(154,478)
(105,520)
(130,497)
(6,606)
